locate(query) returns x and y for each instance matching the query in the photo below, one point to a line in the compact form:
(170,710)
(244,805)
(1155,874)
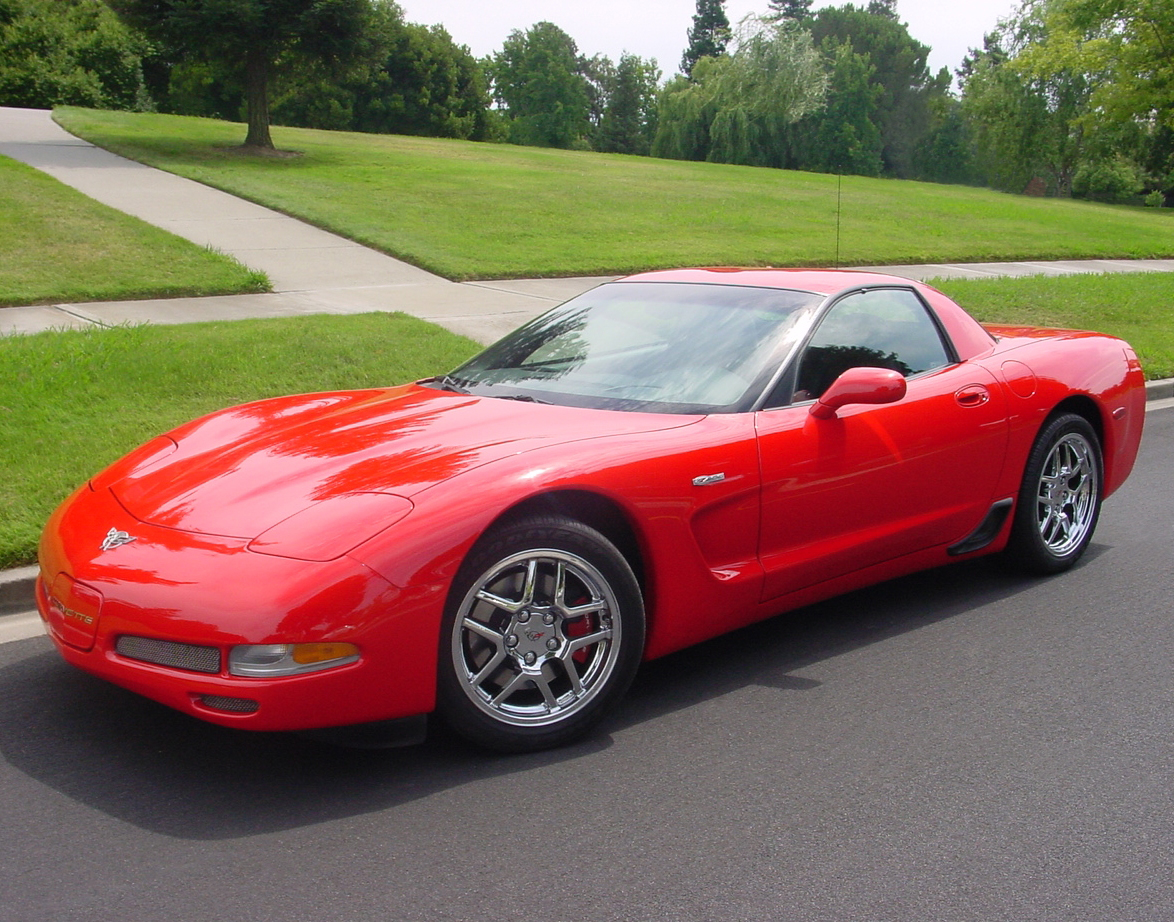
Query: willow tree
(736,109)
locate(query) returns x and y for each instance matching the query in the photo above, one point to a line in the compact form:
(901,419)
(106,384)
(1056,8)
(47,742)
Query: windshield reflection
(645,346)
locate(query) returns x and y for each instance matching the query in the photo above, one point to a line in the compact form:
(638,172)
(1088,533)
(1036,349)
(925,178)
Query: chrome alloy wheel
(536,638)
(1066,498)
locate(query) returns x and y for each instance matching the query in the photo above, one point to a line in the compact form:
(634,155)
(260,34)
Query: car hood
(239,472)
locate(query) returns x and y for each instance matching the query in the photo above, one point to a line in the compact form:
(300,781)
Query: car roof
(817,281)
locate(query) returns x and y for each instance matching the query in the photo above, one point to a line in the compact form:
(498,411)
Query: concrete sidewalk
(312,271)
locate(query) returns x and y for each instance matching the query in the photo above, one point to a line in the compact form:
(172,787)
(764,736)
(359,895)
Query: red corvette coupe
(658,461)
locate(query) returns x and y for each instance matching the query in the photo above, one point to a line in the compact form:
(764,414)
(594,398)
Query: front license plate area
(73,611)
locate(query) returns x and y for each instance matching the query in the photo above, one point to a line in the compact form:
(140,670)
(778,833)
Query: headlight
(332,527)
(267,660)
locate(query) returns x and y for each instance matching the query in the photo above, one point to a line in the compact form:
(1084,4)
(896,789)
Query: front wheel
(543,634)
(1060,498)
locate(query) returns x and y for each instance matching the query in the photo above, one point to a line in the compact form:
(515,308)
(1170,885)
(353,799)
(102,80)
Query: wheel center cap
(533,636)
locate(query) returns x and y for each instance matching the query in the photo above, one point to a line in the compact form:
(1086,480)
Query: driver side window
(884,328)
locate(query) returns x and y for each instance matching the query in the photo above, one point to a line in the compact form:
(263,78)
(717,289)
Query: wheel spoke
(517,682)
(530,583)
(572,612)
(548,698)
(483,630)
(588,640)
(495,661)
(573,675)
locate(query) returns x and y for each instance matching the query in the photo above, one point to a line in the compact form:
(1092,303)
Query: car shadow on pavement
(168,773)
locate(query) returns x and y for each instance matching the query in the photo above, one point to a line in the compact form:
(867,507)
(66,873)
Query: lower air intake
(235,705)
(167,653)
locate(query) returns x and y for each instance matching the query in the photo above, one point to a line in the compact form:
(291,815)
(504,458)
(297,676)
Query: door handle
(973,395)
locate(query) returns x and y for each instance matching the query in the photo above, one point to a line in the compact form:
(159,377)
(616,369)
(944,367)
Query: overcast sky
(656,28)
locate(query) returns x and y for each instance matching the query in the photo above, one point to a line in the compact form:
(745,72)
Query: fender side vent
(986,532)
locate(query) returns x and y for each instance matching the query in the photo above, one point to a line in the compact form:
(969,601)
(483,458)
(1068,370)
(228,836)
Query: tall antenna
(839,184)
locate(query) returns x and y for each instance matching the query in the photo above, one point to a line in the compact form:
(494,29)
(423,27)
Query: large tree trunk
(257,99)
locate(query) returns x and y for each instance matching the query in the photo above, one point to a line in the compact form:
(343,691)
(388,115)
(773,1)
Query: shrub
(1112,181)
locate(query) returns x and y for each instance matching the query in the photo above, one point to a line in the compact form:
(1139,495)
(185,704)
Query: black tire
(542,635)
(1059,501)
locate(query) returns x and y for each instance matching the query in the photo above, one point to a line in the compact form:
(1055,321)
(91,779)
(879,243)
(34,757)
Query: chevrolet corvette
(660,460)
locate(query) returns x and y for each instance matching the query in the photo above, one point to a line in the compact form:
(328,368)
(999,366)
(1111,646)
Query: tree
(794,10)
(847,139)
(628,120)
(945,153)
(1131,39)
(884,8)
(536,76)
(600,74)
(903,109)
(708,36)
(248,37)
(1029,105)
(413,80)
(69,52)
(738,108)
(1128,45)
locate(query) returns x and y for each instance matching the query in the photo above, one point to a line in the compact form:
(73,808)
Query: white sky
(656,28)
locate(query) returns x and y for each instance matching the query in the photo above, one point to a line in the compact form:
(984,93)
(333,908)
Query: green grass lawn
(57,245)
(1137,306)
(72,402)
(468,210)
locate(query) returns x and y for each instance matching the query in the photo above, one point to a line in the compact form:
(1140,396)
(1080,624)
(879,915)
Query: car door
(875,482)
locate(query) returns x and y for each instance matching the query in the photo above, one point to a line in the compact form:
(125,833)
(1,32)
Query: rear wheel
(1060,498)
(543,634)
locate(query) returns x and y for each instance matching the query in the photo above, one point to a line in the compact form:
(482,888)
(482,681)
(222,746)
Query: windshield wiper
(525,398)
(449,383)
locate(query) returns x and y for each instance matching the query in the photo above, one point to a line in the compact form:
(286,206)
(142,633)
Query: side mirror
(860,385)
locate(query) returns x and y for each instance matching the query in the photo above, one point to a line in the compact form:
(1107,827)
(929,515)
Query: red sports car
(658,461)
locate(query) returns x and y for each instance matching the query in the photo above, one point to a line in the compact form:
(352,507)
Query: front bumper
(194,597)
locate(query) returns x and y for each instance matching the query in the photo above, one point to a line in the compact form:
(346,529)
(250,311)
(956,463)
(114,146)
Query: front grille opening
(234,705)
(189,657)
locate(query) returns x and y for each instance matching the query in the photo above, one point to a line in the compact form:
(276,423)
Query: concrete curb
(16,590)
(1159,390)
(17,586)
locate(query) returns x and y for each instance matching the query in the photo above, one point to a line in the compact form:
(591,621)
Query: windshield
(650,346)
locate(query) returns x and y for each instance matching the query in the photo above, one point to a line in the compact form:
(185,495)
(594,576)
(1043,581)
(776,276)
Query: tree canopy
(902,113)
(249,36)
(537,77)
(68,52)
(628,118)
(1044,102)
(411,79)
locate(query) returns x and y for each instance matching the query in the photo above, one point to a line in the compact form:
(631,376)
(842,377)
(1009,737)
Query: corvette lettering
(70,614)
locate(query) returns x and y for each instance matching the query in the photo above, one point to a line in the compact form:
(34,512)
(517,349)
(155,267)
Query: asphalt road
(959,745)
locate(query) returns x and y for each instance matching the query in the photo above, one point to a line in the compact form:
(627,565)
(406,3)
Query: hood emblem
(115,538)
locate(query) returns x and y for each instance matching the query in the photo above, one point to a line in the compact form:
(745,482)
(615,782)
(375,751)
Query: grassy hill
(467,210)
